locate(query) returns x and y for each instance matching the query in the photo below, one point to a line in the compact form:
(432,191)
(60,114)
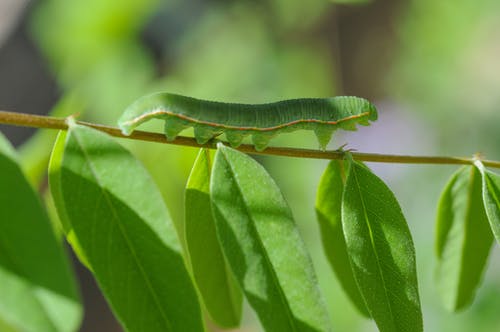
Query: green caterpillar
(236,121)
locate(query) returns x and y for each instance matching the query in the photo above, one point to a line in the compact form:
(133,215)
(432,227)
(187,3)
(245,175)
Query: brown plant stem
(39,121)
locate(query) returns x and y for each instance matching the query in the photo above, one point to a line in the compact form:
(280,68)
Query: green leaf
(491,197)
(120,220)
(37,287)
(55,190)
(381,251)
(263,247)
(215,282)
(328,212)
(463,239)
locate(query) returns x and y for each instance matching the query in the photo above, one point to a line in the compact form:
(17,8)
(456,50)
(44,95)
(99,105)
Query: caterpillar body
(262,121)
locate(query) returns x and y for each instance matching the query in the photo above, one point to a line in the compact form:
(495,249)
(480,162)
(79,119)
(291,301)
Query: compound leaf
(491,197)
(37,287)
(463,239)
(216,285)
(328,212)
(55,191)
(125,232)
(381,251)
(263,247)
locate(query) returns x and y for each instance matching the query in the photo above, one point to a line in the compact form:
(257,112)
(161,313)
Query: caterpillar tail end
(127,124)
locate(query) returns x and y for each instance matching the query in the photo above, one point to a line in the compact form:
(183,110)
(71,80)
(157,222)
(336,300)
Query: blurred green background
(431,67)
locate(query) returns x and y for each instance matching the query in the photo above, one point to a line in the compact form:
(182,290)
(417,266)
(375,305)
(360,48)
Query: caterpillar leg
(173,126)
(324,135)
(235,137)
(204,133)
(261,139)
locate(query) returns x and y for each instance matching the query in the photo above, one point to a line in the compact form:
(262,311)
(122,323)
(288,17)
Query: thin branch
(39,121)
